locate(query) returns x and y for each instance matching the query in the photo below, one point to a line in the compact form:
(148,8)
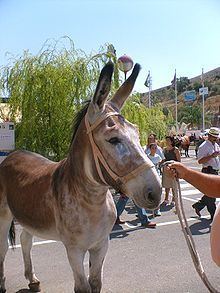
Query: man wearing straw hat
(208,156)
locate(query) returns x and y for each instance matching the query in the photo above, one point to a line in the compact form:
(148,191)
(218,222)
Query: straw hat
(214,131)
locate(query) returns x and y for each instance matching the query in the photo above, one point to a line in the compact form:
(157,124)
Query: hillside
(166,95)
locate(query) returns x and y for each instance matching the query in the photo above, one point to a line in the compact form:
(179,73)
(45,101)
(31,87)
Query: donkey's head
(119,158)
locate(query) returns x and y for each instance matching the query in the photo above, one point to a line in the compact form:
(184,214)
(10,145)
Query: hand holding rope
(185,227)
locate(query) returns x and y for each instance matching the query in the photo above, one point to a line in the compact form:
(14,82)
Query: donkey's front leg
(76,258)
(96,259)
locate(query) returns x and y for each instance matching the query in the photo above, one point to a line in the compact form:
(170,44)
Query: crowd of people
(207,153)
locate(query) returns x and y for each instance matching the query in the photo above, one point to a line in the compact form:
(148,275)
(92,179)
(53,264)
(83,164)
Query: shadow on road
(122,231)
(201,228)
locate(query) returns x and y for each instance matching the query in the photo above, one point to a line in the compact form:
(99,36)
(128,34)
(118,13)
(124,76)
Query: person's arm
(207,158)
(206,183)
(215,237)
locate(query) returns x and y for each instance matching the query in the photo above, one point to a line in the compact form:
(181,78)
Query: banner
(147,81)
(173,82)
(7,136)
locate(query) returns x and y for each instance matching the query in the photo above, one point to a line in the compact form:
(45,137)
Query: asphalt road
(138,260)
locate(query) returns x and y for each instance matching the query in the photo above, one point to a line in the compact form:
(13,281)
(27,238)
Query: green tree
(147,119)
(182,84)
(196,86)
(190,114)
(46,90)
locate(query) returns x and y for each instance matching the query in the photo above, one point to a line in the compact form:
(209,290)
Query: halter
(98,157)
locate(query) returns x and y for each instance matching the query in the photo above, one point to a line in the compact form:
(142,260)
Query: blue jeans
(120,206)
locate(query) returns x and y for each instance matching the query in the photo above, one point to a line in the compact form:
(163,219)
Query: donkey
(185,143)
(70,201)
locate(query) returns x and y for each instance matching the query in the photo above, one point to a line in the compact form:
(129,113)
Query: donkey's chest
(85,225)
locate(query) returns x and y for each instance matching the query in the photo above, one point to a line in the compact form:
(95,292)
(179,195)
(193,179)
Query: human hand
(177,169)
(215,154)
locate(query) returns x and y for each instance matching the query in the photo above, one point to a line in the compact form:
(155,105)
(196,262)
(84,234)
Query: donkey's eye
(114,140)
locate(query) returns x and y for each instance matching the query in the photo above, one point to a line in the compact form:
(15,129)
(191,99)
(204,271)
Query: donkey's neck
(81,167)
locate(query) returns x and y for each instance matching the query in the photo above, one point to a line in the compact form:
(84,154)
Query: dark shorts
(209,170)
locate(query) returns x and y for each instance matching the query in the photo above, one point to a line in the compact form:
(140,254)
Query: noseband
(98,157)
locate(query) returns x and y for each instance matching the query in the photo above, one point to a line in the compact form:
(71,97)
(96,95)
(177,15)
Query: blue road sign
(190,96)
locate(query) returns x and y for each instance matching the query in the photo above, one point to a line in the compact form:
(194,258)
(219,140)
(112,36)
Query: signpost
(203,91)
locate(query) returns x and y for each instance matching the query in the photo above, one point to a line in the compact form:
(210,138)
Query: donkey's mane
(59,172)
(78,117)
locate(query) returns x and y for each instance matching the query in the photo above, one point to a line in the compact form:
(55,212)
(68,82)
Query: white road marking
(177,221)
(190,199)
(158,225)
(36,243)
(190,192)
(185,184)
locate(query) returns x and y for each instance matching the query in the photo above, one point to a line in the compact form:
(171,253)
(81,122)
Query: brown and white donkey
(70,201)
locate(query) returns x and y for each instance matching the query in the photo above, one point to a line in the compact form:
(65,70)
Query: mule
(185,143)
(70,201)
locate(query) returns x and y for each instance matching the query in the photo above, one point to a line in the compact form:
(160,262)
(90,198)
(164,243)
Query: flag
(147,81)
(173,82)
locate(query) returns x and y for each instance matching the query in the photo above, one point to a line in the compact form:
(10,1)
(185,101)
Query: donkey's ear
(126,88)
(103,86)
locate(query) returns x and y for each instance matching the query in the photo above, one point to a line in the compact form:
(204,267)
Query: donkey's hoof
(34,287)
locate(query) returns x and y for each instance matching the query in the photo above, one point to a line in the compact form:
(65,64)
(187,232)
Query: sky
(160,35)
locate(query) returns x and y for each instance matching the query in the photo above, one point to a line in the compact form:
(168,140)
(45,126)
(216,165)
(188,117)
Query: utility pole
(174,84)
(150,89)
(176,107)
(203,103)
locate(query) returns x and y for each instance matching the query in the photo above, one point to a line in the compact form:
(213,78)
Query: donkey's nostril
(151,196)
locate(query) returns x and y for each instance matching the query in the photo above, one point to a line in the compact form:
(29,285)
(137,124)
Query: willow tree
(147,119)
(46,90)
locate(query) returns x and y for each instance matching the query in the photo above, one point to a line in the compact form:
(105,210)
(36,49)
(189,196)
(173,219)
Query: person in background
(209,185)
(171,153)
(152,138)
(120,206)
(198,143)
(208,156)
(156,160)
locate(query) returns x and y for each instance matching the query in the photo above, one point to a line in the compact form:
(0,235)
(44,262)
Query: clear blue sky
(161,35)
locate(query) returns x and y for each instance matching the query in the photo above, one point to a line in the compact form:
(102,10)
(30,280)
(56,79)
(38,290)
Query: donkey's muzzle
(153,198)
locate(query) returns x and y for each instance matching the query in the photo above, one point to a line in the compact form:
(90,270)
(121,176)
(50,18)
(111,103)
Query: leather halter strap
(99,157)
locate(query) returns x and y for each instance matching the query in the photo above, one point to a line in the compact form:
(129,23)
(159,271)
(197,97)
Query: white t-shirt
(156,159)
(206,149)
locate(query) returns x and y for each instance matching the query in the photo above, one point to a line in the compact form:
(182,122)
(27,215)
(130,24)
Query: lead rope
(188,235)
